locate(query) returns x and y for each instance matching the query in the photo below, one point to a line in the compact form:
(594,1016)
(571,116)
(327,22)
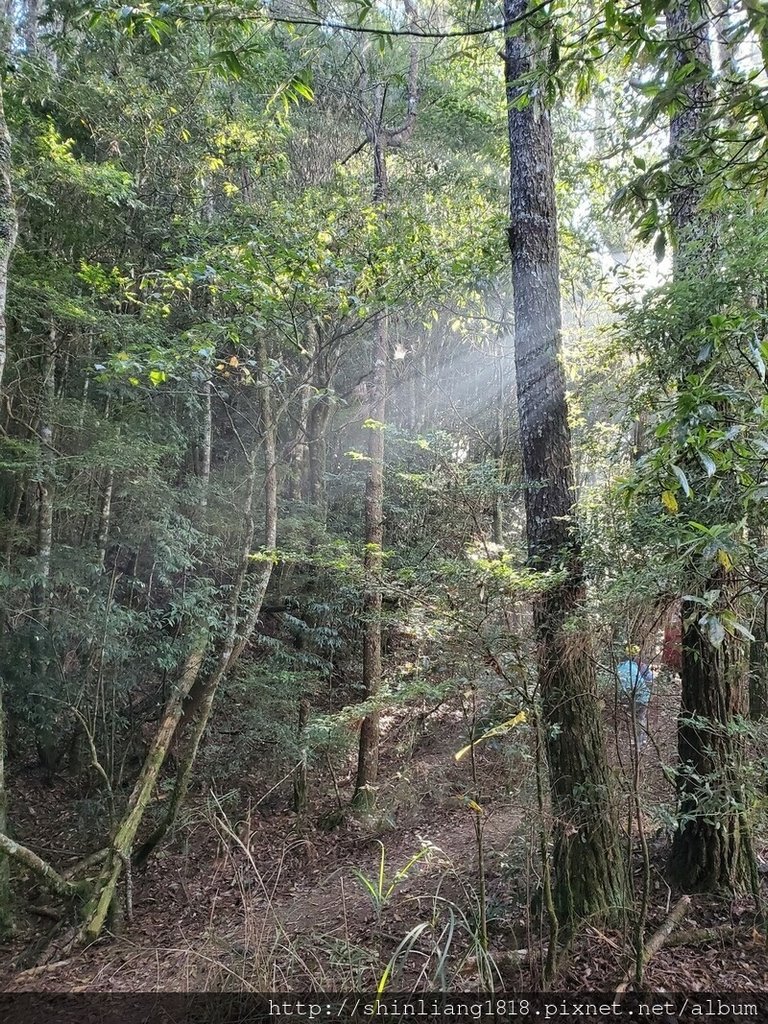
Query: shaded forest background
(375,379)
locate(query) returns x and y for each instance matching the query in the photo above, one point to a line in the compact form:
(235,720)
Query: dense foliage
(260,307)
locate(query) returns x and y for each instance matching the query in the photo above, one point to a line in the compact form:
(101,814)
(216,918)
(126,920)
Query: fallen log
(657,940)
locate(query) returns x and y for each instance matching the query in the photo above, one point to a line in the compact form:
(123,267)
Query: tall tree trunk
(711,849)
(381,138)
(206,444)
(6,908)
(300,781)
(8,222)
(31,25)
(497,534)
(587,861)
(317,419)
(105,513)
(368,755)
(48,739)
(8,229)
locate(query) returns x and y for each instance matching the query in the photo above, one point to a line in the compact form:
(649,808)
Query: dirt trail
(268,904)
(271,898)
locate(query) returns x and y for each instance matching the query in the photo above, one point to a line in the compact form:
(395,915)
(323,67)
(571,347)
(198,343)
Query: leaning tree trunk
(233,645)
(711,849)
(587,861)
(122,841)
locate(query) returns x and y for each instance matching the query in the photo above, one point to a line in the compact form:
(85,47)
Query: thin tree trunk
(122,841)
(6,907)
(368,754)
(758,663)
(105,512)
(48,875)
(587,860)
(233,646)
(206,446)
(317,417)
(8,221)
(8,230)
(381,138)
(498,499)
(300,784)
(48,739)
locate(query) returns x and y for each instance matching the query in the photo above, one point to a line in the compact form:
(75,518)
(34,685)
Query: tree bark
(689,42)
(758,662)
(711,848)
(31,25)
(300,781)
(368,754)
(48,740)
(497,528)
(206,444)
(587,860)
(8,230)
(48,875)
(8,221)
(317,418)
(105,512)
(6,907)
(122,840)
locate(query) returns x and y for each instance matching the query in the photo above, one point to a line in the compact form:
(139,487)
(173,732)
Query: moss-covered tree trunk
(587,861)
(711,849)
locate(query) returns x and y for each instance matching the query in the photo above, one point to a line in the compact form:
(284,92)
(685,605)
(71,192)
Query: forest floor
(246,897)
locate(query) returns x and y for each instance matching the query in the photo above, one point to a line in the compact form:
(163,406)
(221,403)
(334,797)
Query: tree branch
(49,875)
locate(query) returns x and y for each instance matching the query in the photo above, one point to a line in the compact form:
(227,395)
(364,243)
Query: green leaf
(713,629)
(682,478)
(708,462)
